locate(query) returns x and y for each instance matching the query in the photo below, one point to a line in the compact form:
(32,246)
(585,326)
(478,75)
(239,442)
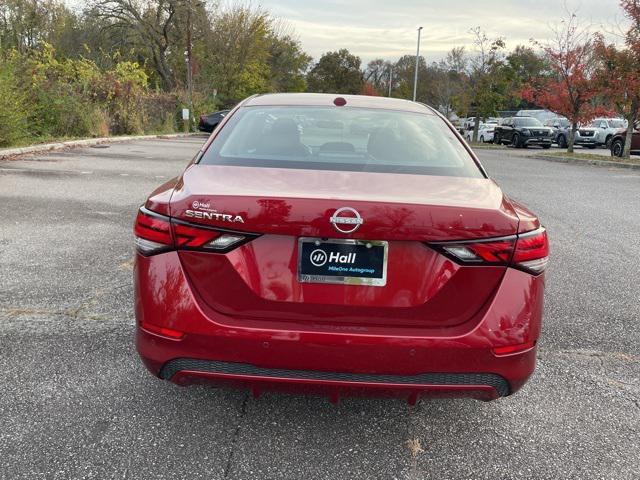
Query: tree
(449,79)
(238,53)
(369,90)
(287,64)
(522,66)
(336,72)
(628,65)
(378,73)
(147,25)
(618,77)
(486,77)
(404,74)
(247,51)
(24,24)
(571,88)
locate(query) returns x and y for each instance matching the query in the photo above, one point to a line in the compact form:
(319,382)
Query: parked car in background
(522,132)
(607,128)
(617,143)
(485,133)
(541,115)
(561,127)
(468,123)
(209,122)
(557,126)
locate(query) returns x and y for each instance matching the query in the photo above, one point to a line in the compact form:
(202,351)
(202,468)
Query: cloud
(383,28)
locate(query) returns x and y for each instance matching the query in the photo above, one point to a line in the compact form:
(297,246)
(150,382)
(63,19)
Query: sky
(387,28)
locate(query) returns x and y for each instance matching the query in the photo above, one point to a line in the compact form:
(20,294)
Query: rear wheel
(617,148)
(562,141)
(546,147)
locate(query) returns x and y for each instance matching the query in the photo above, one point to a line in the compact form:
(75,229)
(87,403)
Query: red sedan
(339,245)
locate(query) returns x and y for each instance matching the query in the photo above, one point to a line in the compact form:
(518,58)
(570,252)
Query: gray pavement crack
(236,434)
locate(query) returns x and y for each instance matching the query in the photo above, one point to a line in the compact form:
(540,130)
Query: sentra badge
(203,211)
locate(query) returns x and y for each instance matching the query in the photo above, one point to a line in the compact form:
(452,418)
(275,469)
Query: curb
(48,147)
(583,161)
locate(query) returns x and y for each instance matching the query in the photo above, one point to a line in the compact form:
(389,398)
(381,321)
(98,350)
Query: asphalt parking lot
(76,403)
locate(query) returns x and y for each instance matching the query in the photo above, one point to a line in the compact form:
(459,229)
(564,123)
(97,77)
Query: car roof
(326,100)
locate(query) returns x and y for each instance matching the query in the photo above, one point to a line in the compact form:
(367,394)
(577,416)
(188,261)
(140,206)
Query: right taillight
(155,233)
(526,251)
(532,251)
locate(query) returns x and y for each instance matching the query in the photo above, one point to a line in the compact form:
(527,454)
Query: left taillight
(527,251)
(155,233)
(152,233)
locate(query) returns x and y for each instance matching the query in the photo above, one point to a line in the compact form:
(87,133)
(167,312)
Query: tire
(496,140)
(607,142)
(591,147)
(546,147)
(515,142)
(562,141)
(617,148)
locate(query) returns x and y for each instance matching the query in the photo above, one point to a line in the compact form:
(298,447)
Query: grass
(586,156)
(486,146)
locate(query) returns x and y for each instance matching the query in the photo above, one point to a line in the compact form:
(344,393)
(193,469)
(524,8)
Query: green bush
(159,112)
(44,97)
(13,107)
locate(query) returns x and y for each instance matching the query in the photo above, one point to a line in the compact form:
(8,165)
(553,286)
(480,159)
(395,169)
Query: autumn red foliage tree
(370,90)
(630,66)
(619,82)
(571,87)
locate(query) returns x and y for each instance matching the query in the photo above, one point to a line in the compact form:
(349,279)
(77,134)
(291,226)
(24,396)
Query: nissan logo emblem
(346,216)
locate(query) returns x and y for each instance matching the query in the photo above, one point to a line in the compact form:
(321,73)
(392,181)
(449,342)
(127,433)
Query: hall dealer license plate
(350,262)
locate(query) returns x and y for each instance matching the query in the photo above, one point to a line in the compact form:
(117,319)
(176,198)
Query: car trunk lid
(259,279)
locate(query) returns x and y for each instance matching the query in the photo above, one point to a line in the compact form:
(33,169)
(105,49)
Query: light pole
(415,78)
(188,54)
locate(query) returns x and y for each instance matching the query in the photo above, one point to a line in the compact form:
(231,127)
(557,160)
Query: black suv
(521,132)
(209,122)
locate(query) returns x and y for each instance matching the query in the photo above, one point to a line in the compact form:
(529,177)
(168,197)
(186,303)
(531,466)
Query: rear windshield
(343,139)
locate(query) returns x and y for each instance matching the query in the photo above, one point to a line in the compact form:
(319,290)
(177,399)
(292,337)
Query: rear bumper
(185,371)
(337,361)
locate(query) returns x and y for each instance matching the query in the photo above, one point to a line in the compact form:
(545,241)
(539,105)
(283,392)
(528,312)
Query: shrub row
(43,97)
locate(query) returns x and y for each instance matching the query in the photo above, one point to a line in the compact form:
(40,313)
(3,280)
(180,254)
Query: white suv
(606,128)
